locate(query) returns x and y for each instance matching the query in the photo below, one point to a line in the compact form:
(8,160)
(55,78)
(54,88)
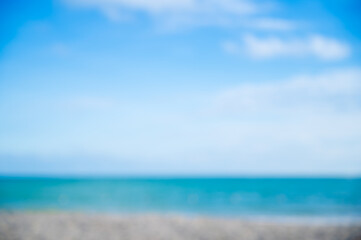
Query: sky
(180,87)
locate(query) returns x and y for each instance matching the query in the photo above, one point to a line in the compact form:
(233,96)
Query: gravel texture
(77,226)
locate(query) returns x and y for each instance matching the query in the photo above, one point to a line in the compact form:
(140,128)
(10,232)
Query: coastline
(76,225)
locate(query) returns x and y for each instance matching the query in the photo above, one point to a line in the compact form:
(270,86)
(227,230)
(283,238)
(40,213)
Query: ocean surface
(235,197)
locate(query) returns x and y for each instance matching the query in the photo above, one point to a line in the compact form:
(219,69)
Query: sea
(276,198)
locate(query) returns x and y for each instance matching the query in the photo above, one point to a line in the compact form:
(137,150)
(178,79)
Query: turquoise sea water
(321,197)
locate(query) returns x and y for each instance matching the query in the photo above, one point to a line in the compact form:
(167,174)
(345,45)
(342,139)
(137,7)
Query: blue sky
(180,87)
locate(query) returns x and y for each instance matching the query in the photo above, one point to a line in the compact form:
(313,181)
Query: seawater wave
(315,197)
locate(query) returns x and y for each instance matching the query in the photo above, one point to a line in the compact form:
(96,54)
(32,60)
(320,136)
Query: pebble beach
(78,226)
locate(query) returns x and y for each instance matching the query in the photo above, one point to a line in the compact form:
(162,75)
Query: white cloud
(328,49)
(326,92)
(304,124)
(274,24)
(316,46)
(172,14)
(154,6)
(175,6)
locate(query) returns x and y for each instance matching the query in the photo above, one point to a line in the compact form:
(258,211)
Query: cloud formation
(316,45)
(297,125)
(174,6)
(273,24)
(172,14)
(239,15)
(330,91)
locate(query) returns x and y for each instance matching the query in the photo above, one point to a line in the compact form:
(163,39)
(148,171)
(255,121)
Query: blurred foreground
(78,226)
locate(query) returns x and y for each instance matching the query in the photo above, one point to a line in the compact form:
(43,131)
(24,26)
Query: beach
(183,208)
(67,225)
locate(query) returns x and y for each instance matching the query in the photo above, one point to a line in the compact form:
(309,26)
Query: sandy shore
(77,226)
